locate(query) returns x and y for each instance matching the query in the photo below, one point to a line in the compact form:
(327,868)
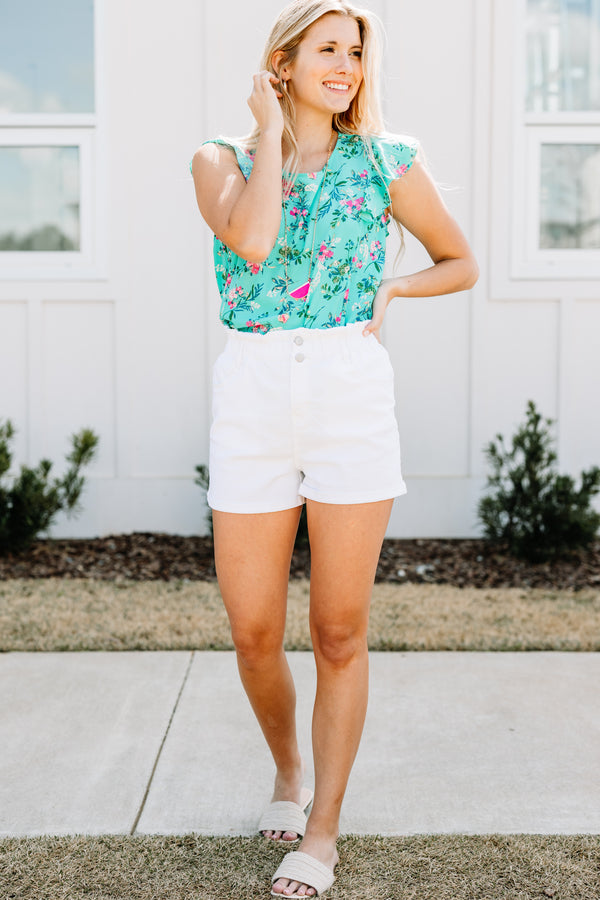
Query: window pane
(570,196)
(39,198)
(46,56)
(563,55)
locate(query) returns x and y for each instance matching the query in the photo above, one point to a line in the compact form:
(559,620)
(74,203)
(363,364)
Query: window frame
(84,131)
(531,130)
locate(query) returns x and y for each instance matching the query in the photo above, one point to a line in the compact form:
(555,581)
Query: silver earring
(284,85)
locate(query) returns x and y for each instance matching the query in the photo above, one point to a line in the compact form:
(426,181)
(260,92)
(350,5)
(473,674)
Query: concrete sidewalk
(166,743)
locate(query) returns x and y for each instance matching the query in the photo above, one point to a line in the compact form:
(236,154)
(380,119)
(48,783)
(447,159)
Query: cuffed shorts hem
(251,508)
(346,498)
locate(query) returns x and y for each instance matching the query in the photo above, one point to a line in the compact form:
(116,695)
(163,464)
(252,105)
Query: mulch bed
(165,557)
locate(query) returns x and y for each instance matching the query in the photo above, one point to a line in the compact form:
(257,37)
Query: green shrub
(30,504)
(536,512)
(202,480)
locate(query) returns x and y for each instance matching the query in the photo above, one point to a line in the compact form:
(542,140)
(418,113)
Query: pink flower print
(385,218)
(231,304)
(294,212)
(401,170)
(375,246)
(228,281)
(304,212)
(239,290)
(363,174)
(347,293)
(254,267)
(283,317)
(357,262)
(324,252)
(354,204)
(312,175)
(338,318)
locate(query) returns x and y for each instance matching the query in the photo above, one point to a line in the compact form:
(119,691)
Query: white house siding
(129,353)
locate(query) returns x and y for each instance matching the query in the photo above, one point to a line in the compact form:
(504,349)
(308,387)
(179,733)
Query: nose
(344,63)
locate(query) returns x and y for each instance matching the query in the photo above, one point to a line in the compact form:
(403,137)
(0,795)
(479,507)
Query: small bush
(30,504)
(536,512)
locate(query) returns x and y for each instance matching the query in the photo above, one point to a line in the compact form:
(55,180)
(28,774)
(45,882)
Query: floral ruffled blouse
(352,224)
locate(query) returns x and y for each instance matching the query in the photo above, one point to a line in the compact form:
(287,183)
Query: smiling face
(326,73)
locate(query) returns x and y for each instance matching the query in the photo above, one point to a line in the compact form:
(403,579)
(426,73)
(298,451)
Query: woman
(303,393)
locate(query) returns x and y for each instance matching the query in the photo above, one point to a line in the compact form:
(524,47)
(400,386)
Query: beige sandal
(285,815)
(298,866)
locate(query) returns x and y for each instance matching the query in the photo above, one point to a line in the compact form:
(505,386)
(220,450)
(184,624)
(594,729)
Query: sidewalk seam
(162,744)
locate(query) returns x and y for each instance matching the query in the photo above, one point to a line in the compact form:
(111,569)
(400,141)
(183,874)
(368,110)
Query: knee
(256,646)
(338,645)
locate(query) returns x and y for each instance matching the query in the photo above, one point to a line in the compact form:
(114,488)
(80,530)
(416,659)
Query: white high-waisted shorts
(303,413)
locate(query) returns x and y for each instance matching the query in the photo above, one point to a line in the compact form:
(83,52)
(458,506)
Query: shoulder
(222,154)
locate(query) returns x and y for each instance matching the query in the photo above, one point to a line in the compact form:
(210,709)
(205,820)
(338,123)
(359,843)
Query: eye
(327,49)
(357,53)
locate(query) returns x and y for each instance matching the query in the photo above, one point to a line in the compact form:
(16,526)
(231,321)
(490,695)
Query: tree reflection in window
(39,187)
(563,55)
(570,196)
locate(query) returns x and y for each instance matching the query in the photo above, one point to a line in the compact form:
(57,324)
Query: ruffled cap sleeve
(394,154)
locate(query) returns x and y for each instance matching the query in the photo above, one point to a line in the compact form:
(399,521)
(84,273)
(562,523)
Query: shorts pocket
(379,351)
(226,364)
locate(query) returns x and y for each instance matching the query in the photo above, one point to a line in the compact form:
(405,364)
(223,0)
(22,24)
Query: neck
(313,134)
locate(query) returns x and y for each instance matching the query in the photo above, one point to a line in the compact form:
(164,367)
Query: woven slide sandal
(284,815)
(298,866)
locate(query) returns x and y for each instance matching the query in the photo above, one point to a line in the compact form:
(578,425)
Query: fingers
(264,100)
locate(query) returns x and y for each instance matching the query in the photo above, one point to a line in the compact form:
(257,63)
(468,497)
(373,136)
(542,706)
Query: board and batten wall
(130,353)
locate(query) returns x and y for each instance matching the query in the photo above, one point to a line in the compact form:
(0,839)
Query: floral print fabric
(352,224)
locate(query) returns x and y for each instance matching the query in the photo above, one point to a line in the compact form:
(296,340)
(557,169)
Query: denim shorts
(303,413)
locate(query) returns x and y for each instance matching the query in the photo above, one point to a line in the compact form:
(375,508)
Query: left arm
(418,207)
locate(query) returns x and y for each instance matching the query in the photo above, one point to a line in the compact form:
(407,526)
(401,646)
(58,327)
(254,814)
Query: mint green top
(352,224)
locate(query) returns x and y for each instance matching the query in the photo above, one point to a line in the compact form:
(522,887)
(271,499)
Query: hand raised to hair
(264,102)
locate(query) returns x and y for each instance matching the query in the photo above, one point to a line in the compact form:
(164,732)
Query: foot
(321,847)
(288,786)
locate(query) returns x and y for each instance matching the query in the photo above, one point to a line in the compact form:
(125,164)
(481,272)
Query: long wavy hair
(364,115)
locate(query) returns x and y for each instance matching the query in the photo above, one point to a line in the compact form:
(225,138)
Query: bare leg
(253,555)
(345,546)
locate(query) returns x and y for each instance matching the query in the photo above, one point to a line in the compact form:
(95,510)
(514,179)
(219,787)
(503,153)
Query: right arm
(246,216)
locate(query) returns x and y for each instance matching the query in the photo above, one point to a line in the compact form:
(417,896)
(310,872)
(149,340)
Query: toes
(284,887)
(289,836)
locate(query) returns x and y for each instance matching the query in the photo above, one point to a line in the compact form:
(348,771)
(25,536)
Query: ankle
(291,770)
(327,832)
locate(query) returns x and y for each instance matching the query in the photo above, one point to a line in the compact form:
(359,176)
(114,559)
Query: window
(48,134)
(556,220)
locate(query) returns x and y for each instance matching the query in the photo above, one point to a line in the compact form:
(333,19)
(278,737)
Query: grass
(422,867)
(69,614)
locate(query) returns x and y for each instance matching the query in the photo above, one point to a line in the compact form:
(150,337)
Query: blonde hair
(364,115)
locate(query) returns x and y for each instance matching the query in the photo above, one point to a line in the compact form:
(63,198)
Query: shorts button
(298,340)
(299,357)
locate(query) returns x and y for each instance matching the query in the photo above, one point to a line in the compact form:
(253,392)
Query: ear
(276,61)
